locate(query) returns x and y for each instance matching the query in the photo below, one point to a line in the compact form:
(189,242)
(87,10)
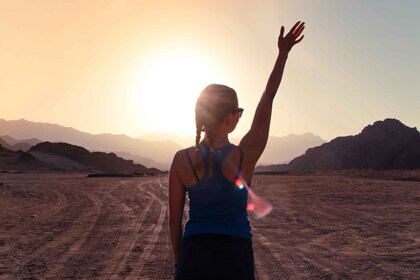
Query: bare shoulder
(180,158)
(182,167)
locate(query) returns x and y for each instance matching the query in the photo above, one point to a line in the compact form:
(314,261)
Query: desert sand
(324,226)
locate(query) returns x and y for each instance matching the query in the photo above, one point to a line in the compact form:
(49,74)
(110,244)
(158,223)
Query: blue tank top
(217,205)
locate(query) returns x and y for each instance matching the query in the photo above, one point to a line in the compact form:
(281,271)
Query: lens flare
(239,184)
(256,205)
(250,207)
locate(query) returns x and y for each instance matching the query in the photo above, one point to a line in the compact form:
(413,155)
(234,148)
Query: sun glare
(168,89)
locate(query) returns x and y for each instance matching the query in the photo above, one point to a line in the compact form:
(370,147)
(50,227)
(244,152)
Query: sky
(136,67)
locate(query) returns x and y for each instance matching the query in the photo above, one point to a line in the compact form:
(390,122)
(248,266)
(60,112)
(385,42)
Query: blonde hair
(214,103)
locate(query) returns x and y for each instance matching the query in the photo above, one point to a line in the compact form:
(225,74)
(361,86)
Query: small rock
(33,216)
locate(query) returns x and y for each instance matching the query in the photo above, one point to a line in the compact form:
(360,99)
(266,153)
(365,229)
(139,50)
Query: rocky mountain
(386,144)
(80,158)
(48,156)
(161,152)
(17,160)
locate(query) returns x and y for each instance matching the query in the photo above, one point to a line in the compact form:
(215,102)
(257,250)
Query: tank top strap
(191,165)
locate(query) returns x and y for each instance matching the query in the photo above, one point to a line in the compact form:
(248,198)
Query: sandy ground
(322,227)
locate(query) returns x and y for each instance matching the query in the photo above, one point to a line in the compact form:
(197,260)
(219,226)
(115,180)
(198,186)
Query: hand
(286,43)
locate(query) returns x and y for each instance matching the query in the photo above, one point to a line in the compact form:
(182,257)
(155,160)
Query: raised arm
(254,142)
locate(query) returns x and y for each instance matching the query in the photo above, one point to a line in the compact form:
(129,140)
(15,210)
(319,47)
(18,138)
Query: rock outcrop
(387,144)
(96,161)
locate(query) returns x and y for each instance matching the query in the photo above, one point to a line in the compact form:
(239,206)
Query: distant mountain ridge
(278,150)
(160,151)
(387,144)
(12,141)
(284,149)
(15,145)
(155,150)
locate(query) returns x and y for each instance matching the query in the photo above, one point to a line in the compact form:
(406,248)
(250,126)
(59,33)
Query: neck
(218,140)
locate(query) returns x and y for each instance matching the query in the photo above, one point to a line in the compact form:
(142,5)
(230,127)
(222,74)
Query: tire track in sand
(148,249)
(58,244)
(126,248)
(77,235)
(163,263)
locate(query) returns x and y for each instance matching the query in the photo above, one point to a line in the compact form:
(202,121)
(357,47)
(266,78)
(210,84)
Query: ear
(228,119)
(232,120)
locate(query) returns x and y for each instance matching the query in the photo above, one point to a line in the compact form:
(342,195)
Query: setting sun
(168,88)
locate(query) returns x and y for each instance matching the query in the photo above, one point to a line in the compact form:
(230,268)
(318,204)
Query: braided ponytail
(198,129)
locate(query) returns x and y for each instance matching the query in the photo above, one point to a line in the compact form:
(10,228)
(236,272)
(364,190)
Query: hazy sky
(135,67)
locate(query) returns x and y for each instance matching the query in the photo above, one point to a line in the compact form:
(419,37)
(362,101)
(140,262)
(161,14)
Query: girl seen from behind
(217,241)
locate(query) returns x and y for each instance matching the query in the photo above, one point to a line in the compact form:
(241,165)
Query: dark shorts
(212,256)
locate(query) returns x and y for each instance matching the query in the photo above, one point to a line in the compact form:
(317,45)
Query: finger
(281,32)
(294,26)
(299,30)
(300,39)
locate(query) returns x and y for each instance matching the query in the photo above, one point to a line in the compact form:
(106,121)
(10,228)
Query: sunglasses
(238,111)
